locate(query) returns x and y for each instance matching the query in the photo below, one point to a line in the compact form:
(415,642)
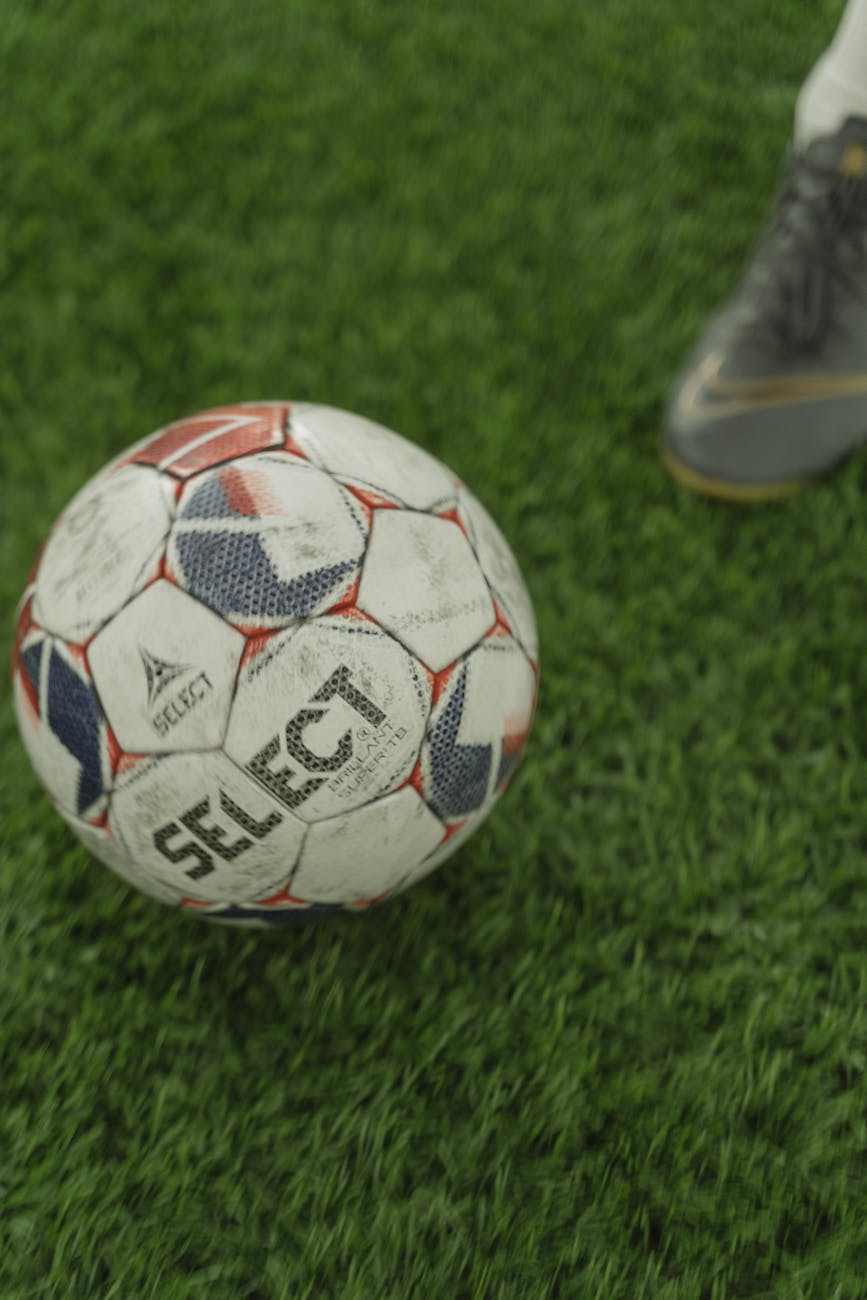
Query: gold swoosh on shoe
(739,396)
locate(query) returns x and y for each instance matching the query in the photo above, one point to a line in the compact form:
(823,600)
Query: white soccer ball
(274,660)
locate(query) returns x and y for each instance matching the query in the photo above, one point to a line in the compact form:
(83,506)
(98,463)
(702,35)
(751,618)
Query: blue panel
(460,772)
(508,763)
(273,916)
(31,659)
(208,501)
(74,717)
(231,572)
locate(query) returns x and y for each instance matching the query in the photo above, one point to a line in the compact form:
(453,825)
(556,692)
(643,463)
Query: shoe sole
(721,489)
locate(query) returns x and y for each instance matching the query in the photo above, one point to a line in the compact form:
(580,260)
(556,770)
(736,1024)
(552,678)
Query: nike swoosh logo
(706,396)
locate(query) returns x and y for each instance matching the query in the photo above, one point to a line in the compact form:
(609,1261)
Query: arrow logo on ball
(160,673)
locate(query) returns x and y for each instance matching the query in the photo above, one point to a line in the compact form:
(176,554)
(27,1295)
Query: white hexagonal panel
(61,724)
(107,848)
(267,540)
(365,853)
(447,848)
(105,546)
(196,825)
(422,582)
(329,716)
(478,729)
(164,669)
(501,569)
(369,456)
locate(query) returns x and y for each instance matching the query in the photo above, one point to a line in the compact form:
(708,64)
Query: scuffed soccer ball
(274,660)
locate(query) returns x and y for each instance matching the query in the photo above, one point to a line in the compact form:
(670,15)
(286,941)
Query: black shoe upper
(776,388)
(807,283)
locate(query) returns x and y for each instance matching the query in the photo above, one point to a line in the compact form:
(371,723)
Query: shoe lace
(810,257)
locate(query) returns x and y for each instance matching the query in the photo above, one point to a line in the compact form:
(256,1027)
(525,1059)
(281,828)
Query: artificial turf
(617,1046)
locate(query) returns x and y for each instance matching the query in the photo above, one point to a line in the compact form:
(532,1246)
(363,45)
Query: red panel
(120,761)
(294,448)
(31,692)
(349,610)
(501,624)
(415,779)
(280,898)
(514,742)
(347,604)
(31,577)
(372,500)
(79,653)
(248,491)
(161,574)
(441,680)
(113,746)
(31,695)
(361,903)
(257,639)
(24,624)
(211,437)
(454,518)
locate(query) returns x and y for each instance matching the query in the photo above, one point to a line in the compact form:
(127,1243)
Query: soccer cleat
(775,392)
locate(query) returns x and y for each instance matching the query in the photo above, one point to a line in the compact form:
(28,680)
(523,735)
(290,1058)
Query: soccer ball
(274,660)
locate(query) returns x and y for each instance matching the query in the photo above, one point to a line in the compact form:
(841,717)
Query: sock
(837,86)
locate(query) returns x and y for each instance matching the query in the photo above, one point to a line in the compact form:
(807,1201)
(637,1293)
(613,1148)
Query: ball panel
(208,438)
(105,846)
(460,832)
(422,582)
(501,569)
(61,724)
(367,455)
(267,541)
(165,669)
(283,915)
(360,855)
(197,825)
(353,707)
(478,728)
(105,546)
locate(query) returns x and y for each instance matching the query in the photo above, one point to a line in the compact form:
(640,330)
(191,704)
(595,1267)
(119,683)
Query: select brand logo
(210,837)
(166,711)
(211,829)
(159,673)
(292,785)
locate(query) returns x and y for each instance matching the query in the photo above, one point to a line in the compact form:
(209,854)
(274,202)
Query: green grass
(617,1047)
